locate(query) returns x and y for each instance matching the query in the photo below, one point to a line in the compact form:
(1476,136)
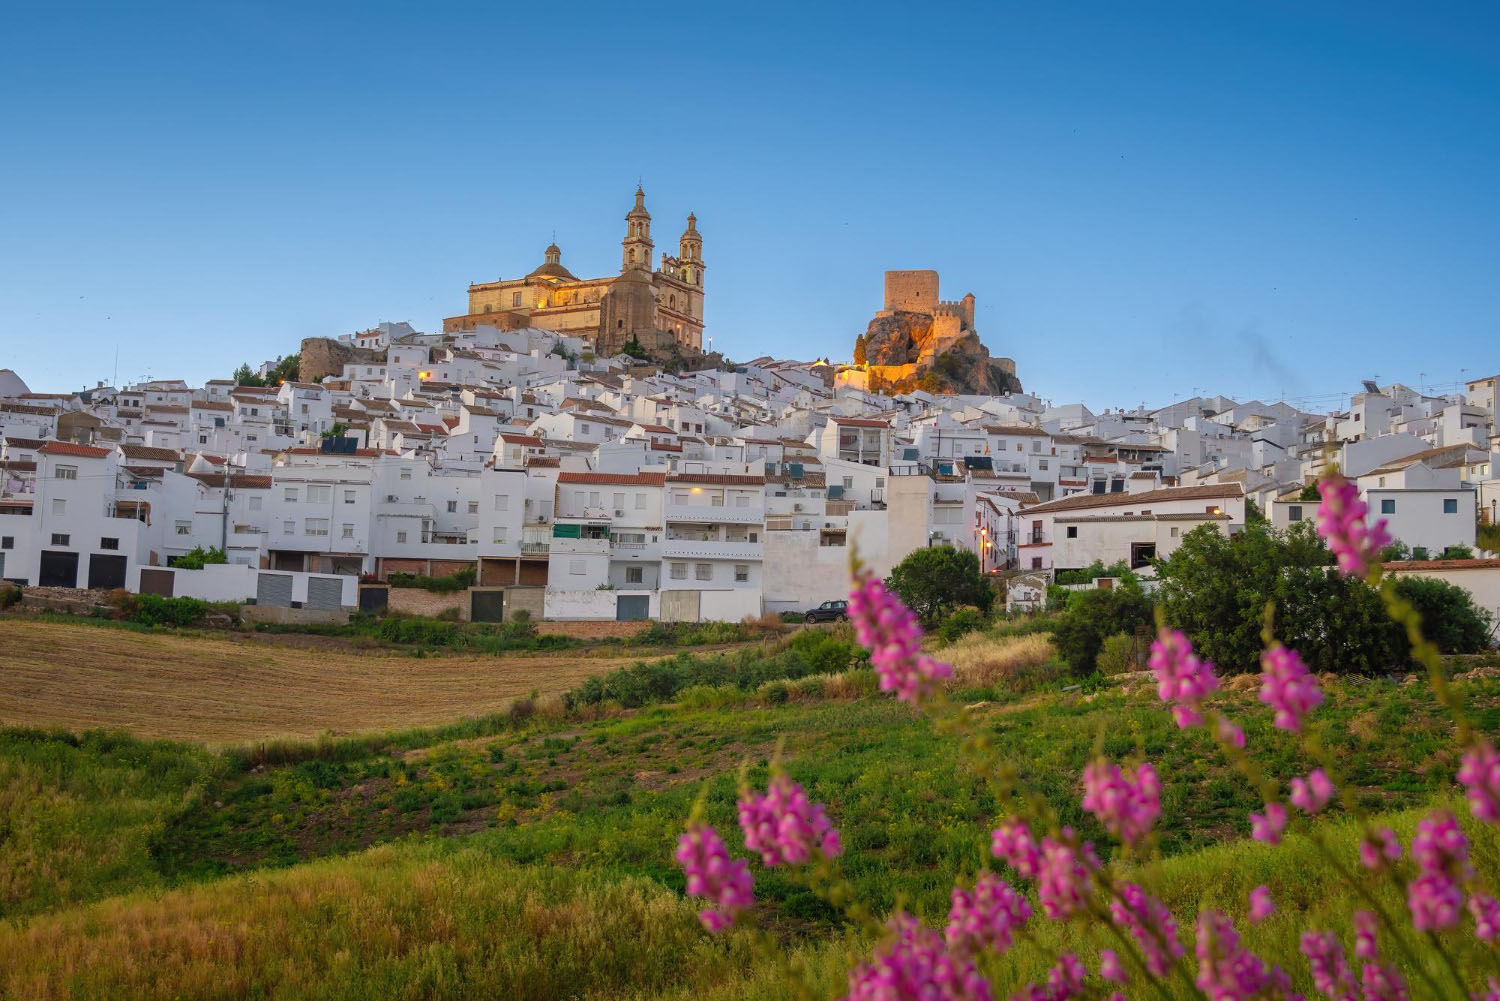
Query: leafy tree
(1456,553)
(1449,616)
(633,348)
(337,431)
(1396,552)
(244,377)
(1095,569)
(1092,616)
(1216,589)
(934,580)
(1489,538)
(1253,514)
(1310,493)
(861,355)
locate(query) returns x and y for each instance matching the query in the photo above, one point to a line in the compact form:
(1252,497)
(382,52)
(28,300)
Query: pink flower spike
(1151,925)
(1110,967)
(1013,844)
(1261,904)
(985,918)
(1486,911)
(724,882)
(1287,687)
(1065,880)
(889,630)
(1227,971)
(1127,805)
(1480,775)
(1267,827)
(1366,945)
(1313,793)
(1330,971)
(1182,679)
(1231,734)
(1377,851)
(784,827)
(914,963)
(1341,523)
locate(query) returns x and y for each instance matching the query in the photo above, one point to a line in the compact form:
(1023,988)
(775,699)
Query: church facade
(653,307)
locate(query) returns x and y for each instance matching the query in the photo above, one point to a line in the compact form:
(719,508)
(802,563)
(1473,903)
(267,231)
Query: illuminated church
(652,307)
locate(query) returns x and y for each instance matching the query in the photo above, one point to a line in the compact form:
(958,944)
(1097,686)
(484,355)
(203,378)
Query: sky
(1148,200)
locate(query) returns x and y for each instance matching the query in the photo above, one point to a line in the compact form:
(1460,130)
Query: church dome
(552,265)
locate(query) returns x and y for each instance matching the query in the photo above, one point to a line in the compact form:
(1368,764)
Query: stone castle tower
(658,309)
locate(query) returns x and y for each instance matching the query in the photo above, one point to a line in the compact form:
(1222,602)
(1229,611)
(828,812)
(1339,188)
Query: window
(473,507)
(754,536)
(348,531)
(203,439)
(1450,505)
(406,474)
(741,500)
(108,543)
(184,528)
(679,571)
(254,503)
(635,575)
(593,498)
(1175,531)
(502,502)
(583,428)
(640,502)
(576,567)
(453,507)
(619,502)
(59,540)
(741,573)
(1388,505)
(1072,531)
(319,493)
(289,494)
(1294,512)
(499,535)
(66,472)
(289,527)
(1041,465)
(1036,563)
(59,505)
(315,526)
(400,536)
(7,542)
(1036,444)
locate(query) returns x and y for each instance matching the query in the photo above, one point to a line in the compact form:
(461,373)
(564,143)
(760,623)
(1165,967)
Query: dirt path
(225,691)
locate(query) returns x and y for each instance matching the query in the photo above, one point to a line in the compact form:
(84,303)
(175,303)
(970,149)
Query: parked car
(829,611)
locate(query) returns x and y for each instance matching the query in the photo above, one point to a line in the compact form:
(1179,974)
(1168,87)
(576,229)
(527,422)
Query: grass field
(220,690)
(531,857)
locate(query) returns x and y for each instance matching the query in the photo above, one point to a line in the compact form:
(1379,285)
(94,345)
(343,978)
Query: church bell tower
(637,243)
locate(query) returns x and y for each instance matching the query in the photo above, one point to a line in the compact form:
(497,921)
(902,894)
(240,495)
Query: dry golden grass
(223,691)
(981,659)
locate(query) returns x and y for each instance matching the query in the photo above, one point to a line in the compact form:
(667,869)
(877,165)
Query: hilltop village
(567,448)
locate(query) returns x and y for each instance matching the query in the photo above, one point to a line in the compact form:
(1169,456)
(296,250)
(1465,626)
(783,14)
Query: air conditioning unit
(619,513)
(797,507)
(391,499)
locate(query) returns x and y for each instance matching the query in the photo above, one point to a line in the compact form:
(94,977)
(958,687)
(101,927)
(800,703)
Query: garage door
(59,570)
(632,607)
(486,606)
(157,582)
(373,599)
(273,589)
(325,592)
(106,572)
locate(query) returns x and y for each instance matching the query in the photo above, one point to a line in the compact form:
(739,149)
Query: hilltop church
(655,308)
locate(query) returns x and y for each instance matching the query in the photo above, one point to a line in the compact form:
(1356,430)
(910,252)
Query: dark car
(829,611)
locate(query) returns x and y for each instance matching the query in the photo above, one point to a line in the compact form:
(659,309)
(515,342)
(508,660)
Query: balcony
(712,549)
(578,547)
(707,514)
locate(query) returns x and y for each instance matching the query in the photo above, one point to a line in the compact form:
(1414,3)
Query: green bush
(154,610)
(661,680)
(1449,616)
(692,633)
(825,651)
(936,579)
(962,622)
(441,585)
(10,595)
(1093,615)
(1121,653)
(416,632)
(197,559)
(1095,569)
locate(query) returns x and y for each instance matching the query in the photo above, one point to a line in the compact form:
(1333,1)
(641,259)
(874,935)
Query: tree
(1456,553)
(1253,514)
(1488,538)
(935,580)
(861,356)
(244,377)
(1396,552)
(1092,616)
(1216,589)
(337,431)
(1310,493)
(197,559)
(1449,616)
(633,348)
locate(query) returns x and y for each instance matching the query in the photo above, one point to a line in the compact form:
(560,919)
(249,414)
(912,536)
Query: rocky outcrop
(902,351)
(325,356)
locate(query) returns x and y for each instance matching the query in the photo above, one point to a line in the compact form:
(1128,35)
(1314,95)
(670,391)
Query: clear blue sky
(1249,198)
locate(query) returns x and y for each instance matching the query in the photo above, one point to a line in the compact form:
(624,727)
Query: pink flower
(1366,946)
(914,965)
(889,630)
(1231,734)
(1330,971)
(1379,849)
(1013,844)
(1493,994)
(986,917)
(784,827)
(1261,904)
(1480,775)
(1486,911)
(1287,687)
(1127,805)
(1267,827)
(1382,983)
(1313,793)
(1226,970)
(1341,523)
(1150,924)
(1110,967)
(1065,879)
(1439,846)
(724,882)
(1064,981)
(1182,679)
(1435,902)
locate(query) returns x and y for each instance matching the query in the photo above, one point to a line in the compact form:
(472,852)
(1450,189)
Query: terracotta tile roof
(145,472)
(522,439)
(149,452)
(1022,429)
(655,428)
(861,422)
(719,479)
(19,465)
(16,442)
(1475,564)
(242,481)
(658,446)
(1207,491)
(211,405)
(69,448)
(615,479)
(544,461)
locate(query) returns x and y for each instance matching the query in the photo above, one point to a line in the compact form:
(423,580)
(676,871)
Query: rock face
(324,356)
(904,350)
